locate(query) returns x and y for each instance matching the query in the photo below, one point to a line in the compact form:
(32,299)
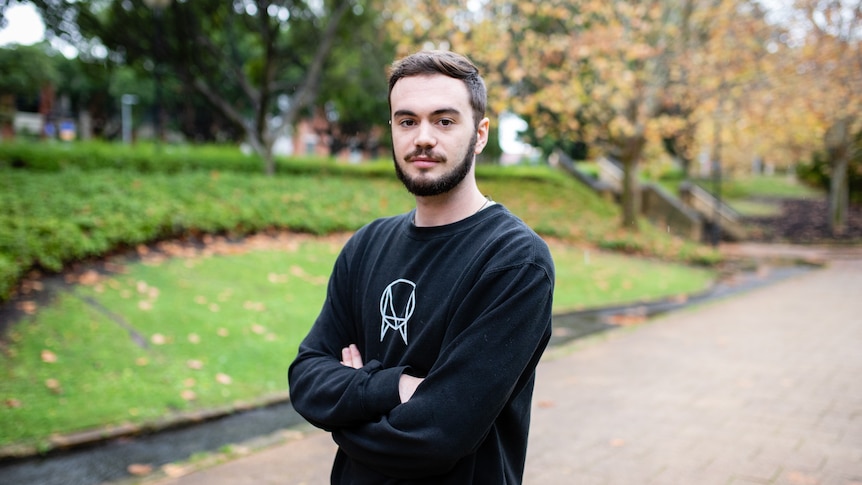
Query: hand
(350,357)
(407,386)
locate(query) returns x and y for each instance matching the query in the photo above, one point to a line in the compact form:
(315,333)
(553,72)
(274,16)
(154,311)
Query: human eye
(445,122)
(406,123)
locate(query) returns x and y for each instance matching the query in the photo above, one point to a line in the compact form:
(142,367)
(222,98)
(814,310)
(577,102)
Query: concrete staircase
(694,214)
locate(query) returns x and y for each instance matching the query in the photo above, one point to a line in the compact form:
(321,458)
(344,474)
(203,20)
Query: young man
(422,360)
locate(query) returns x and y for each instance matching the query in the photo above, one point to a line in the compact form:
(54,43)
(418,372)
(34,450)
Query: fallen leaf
(89,278)
(200,300)
(222,332)
(190,382)
(297,271)
(49,357)
(28,307)
(139,469)
(188,395)
(626,320)
(258,329)
(174,471)
(145,305)
(254,306)
(214,307)
(194,338)
(195,364)
(142,361)
(223,378)
(158,339)
(13,403)
(800,478)
(54,386)
(276,278)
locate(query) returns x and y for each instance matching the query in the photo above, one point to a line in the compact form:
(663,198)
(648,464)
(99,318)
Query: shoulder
(378,230)
(512,242)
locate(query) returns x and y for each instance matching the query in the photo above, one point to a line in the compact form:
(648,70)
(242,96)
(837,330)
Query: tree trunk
(838,142)
(629,156)
(838,196)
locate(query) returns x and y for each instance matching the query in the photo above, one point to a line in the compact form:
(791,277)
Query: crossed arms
(407,384)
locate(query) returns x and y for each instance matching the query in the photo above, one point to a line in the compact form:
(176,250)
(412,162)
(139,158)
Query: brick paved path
(760,388)
(764,387)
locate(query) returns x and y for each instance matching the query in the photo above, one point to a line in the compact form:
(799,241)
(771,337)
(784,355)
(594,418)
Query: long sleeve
(502,329)
(467,307)
(322,390)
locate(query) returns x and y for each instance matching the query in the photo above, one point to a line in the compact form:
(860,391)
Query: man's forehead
(425,90)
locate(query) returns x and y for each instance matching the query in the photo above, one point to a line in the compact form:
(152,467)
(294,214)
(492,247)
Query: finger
(355,356)
(346,358)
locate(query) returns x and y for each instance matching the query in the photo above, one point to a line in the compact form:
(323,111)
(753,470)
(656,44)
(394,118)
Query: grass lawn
(220,327)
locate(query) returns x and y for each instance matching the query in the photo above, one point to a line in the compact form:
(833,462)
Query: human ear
(482,135)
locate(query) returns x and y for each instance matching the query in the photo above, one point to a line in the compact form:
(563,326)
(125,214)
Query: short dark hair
(448,64)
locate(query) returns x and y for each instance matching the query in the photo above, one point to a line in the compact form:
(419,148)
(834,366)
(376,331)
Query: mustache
(424,153)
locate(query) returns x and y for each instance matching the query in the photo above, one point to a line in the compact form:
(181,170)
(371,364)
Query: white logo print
(396,307)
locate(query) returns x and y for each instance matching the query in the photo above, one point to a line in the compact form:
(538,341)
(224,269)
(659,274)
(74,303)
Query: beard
(422,187)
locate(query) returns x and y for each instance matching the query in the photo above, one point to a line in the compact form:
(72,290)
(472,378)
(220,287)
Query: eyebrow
(437,112)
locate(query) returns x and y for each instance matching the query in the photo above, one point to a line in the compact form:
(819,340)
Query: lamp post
(158,6)
(127,101)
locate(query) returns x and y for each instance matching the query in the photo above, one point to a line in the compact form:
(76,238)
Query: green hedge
(148,158)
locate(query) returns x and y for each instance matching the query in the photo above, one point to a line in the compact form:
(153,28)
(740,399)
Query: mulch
(805,221)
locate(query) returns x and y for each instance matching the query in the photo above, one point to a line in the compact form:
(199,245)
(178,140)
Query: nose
(425,136)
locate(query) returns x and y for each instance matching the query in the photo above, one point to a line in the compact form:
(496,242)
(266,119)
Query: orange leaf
(139,469)
(49,357)
(53,385)
(28,307)
(174,471)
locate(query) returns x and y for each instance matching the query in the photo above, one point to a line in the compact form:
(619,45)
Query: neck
(453,206)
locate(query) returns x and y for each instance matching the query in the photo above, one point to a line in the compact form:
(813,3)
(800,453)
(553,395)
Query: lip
(424,162)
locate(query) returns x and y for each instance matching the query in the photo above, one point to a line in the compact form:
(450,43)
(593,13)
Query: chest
(407,295)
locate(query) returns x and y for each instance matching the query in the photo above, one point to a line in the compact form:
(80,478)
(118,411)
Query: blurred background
(177,176)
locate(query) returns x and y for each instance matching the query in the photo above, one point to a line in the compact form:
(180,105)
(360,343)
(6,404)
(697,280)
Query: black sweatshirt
(467,306)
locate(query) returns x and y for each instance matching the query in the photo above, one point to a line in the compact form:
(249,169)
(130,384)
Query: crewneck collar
(431,232)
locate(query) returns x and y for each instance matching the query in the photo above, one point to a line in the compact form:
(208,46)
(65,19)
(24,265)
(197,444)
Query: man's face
(434,138)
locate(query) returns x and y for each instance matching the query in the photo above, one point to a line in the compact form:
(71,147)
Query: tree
(602,72)
(353,94)
(253,61)
(828,68)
